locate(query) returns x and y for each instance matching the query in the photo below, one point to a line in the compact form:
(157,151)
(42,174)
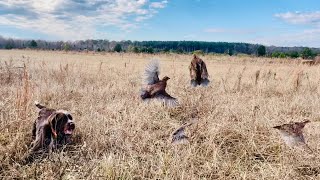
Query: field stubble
(119,137)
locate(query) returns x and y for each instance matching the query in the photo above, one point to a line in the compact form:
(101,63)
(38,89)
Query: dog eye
(69,116)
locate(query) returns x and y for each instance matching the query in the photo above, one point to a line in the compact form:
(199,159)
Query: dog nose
(71,125)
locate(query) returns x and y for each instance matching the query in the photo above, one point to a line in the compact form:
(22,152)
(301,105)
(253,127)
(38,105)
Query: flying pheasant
(198,72)
(179,136)
(153,87)
(292,133)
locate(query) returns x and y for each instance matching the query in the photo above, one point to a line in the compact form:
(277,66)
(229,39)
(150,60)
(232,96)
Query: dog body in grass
(52,128)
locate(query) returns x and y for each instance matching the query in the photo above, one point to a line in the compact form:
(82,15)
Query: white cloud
(229,31)
(215,30)
(190,37)
(161,4)
(142,18)
(310,37)
(47,25)
(73,19)
(300,18)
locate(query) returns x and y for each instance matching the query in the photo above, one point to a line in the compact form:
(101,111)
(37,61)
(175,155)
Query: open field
(118,136)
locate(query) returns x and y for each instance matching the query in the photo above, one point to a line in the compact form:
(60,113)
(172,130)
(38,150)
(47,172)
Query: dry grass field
(118,136)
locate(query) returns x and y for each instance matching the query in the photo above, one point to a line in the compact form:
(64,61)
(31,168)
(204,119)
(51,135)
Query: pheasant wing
(179,136)
(151,73)
(168,100)
(292,133)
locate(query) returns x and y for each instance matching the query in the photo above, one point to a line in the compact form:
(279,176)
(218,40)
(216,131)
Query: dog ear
(52,119)
(55,120)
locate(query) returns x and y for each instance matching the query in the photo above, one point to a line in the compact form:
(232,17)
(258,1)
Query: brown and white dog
(198,72)
(52,128)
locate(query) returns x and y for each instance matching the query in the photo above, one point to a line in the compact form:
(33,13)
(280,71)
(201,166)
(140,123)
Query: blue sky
(269,22)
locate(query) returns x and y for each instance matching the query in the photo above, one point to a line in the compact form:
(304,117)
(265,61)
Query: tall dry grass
(119,137)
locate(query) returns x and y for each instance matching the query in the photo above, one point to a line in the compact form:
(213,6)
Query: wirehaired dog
(52,129)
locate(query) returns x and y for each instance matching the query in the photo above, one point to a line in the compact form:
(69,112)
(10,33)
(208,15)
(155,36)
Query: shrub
(307,54)
(293,54)
(275,54)
(66,47)
(282,55)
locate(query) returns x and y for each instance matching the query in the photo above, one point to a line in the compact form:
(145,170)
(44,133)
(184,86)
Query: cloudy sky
(270,22)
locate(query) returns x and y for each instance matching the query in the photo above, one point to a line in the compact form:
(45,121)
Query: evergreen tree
(117,48)
(261,50)
(33,44)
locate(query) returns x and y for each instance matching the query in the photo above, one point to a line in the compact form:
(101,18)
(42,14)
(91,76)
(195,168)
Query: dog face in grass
(52,128)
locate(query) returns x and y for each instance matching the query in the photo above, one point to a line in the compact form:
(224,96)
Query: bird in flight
(292,133)
(198,72)
(179,136)
(153,87)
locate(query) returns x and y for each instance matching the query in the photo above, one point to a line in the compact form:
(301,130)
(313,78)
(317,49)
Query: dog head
(61,123)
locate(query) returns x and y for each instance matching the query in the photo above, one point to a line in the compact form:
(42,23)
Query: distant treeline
(161,46)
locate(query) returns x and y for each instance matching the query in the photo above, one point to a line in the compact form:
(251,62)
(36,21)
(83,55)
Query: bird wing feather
(168,100)
(151,73)
(179,136)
